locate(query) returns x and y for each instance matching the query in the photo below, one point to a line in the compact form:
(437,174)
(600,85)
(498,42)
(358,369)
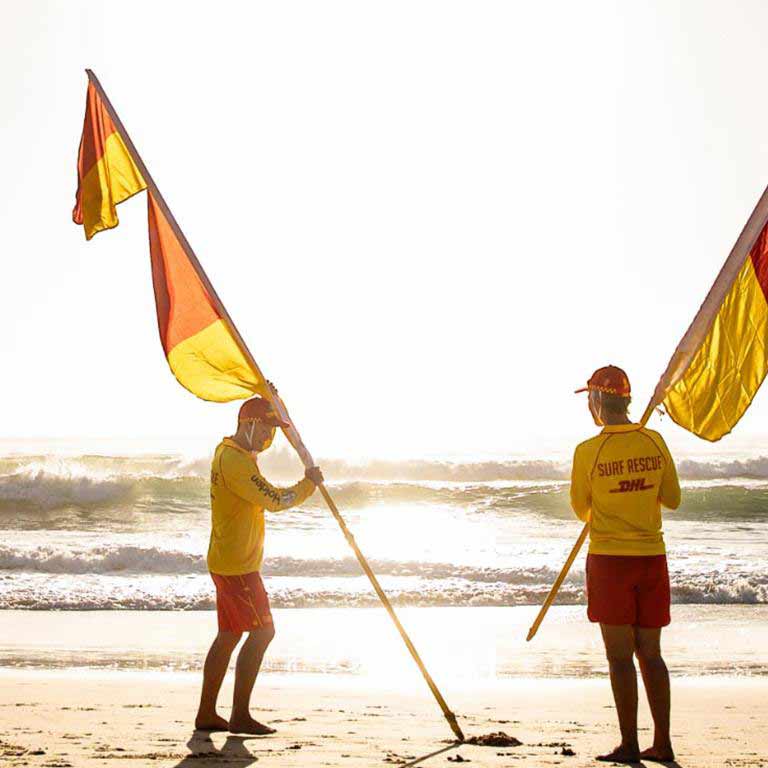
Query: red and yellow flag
(106,173)
(197,337)
(201,351)
(723,358)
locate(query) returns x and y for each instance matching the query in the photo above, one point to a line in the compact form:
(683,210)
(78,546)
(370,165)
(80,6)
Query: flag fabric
(196,337)
(200,349)
(723,358)
(107,174)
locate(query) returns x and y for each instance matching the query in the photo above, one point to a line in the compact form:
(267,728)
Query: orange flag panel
(183,305)
(202,352)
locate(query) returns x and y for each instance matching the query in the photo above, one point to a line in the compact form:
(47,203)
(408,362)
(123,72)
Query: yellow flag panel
(729,366)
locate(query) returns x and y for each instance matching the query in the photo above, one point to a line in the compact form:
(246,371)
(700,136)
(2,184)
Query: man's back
(620,479)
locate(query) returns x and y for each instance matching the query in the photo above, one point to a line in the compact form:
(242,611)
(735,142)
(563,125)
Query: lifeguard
(239,496)
(620,480)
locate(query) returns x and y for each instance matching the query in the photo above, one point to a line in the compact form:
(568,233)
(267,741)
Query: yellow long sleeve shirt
(239,496)
(620,480)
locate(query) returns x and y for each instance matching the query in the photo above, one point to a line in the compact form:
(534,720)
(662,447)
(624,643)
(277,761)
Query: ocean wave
(100,559)
(748,469)
(284,465)
(412,582)
(113,559)
(725,502)
(523,470)
(46,488)
(39,485)
(323,593)
(741,591)
(45,491)
(27,499)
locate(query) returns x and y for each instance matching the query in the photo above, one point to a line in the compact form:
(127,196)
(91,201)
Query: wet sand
(58,719)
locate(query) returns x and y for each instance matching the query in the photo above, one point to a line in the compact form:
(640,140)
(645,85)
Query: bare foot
(620,755)
(658,755)
(249,725)
(214,723)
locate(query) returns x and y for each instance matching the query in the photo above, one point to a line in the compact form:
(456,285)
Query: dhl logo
(629,486)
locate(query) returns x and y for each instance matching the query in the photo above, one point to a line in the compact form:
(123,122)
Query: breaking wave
(154,560)
(53,596)
(27,496)
(127,577)
(46,491)
(284,462)
(106,559)
(283,465)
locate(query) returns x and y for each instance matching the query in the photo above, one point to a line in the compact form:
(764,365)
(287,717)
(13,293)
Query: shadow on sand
(201,749)
(432,754)
(457,744)
(647,763)
(234,752)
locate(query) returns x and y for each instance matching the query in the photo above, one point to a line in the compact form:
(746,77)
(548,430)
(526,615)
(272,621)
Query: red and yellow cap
(610,379)
(259,409)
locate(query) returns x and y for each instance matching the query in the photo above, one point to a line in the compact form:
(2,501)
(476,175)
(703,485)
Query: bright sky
(430,220)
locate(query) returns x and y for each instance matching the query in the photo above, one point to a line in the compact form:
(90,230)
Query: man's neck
(612,421)
(241,441)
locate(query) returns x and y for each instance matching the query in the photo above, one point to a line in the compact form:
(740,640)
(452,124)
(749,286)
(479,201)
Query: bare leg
(619,648)
(216,663)
(656,681)
(248,664)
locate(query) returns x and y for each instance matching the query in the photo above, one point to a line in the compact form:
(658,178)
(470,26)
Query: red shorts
(242,604)
(628,590)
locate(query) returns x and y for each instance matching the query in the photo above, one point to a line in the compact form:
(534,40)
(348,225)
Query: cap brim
(583,389)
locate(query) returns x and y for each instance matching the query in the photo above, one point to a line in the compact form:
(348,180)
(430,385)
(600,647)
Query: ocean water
(130,532)
(459,645)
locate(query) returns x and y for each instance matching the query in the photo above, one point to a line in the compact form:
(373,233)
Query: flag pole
(558,583)
(571,557)
(294,438)
(291,432)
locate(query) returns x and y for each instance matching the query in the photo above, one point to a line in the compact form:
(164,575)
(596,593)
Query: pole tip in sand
(455,727)
(531,633)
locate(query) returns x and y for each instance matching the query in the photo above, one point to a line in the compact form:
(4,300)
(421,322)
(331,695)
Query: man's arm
(581,488)
(669,489)
(242,476)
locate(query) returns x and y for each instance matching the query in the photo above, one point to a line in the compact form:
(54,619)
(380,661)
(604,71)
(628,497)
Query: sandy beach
(78,719)
(87,688)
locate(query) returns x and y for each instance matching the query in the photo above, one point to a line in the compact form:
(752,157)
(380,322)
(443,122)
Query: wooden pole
(291,433)
(574,553)
(558,582)
(449,716)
